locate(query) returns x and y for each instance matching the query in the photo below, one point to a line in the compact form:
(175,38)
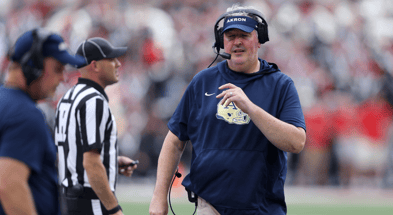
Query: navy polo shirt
(25,136)
(234,167)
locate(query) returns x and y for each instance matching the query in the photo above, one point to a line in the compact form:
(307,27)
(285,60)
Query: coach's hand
(128,170)
(234,94)
(158,206)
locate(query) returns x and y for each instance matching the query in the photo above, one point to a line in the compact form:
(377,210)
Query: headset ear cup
(217,39)
(265,31)
(263,36)
(29,73)
(35,56)
(221,38)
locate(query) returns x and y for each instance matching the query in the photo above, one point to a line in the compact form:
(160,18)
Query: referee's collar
(91,83)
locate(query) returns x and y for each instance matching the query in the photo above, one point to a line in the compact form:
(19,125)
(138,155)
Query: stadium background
(339,53)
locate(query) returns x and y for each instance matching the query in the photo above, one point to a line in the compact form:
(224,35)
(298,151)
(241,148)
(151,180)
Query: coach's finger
(227,85)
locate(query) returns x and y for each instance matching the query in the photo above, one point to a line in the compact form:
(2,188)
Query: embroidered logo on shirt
(232,114)
(207,94)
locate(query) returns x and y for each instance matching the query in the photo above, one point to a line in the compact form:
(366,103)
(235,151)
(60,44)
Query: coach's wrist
(115,210)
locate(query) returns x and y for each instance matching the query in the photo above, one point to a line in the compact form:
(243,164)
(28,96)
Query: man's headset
(32,72)
(192,197)
(262,30)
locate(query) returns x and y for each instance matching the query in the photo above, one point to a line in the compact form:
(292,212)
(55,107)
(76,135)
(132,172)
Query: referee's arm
(98,179)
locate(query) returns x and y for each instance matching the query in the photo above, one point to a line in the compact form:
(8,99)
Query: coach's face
(109,70)
(243,48)
(45,86)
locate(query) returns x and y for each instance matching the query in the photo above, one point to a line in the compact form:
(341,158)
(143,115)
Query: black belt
(79,192)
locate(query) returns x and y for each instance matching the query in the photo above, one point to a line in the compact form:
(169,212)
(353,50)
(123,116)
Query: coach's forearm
(98,179)
(17,199)
(169,158)
(15,194)
(283,135)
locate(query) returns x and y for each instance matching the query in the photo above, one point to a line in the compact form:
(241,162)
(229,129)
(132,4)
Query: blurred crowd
(339,54)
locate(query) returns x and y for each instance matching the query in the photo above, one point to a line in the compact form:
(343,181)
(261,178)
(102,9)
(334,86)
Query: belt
(79,192)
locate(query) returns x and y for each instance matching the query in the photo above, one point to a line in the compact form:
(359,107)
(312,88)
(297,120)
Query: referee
(86,135)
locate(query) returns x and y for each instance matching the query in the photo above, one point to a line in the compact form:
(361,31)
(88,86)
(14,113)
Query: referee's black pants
(86,203)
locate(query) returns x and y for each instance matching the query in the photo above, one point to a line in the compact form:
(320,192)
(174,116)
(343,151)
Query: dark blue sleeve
(178,124)
(23,139)
(291,109)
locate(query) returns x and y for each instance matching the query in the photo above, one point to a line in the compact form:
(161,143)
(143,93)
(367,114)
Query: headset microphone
(223,55)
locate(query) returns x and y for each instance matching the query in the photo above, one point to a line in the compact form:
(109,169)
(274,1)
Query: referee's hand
(124,167)
(118,213)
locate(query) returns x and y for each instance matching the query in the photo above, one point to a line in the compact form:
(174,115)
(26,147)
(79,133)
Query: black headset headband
(263,35)
(35,54)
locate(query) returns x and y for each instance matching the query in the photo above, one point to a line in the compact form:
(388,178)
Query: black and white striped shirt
(85,122)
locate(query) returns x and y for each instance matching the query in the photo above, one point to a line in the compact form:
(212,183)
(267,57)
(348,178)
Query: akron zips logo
(232,114)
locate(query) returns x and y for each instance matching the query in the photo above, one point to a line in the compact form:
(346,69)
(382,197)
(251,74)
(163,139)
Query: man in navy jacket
(242,117)
(28,176)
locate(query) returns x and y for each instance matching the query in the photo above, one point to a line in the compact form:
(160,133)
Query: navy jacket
(25,136)
(234,167)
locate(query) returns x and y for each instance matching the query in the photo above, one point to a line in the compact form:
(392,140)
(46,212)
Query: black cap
(98,48)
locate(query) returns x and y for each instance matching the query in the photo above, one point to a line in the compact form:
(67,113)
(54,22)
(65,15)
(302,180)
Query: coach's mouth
(236,51)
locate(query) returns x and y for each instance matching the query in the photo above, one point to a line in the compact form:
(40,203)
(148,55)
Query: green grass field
(298,209)
(135,199)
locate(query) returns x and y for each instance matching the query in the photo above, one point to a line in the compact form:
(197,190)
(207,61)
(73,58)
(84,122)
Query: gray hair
(243,13)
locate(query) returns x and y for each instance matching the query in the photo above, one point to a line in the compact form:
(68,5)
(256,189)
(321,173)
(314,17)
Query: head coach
(242,116)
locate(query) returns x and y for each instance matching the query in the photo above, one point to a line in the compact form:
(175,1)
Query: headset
(262,29)
(34,55)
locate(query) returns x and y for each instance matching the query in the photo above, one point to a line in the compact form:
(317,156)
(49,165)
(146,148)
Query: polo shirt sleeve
(178,124)
(291,109)
(23,139)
